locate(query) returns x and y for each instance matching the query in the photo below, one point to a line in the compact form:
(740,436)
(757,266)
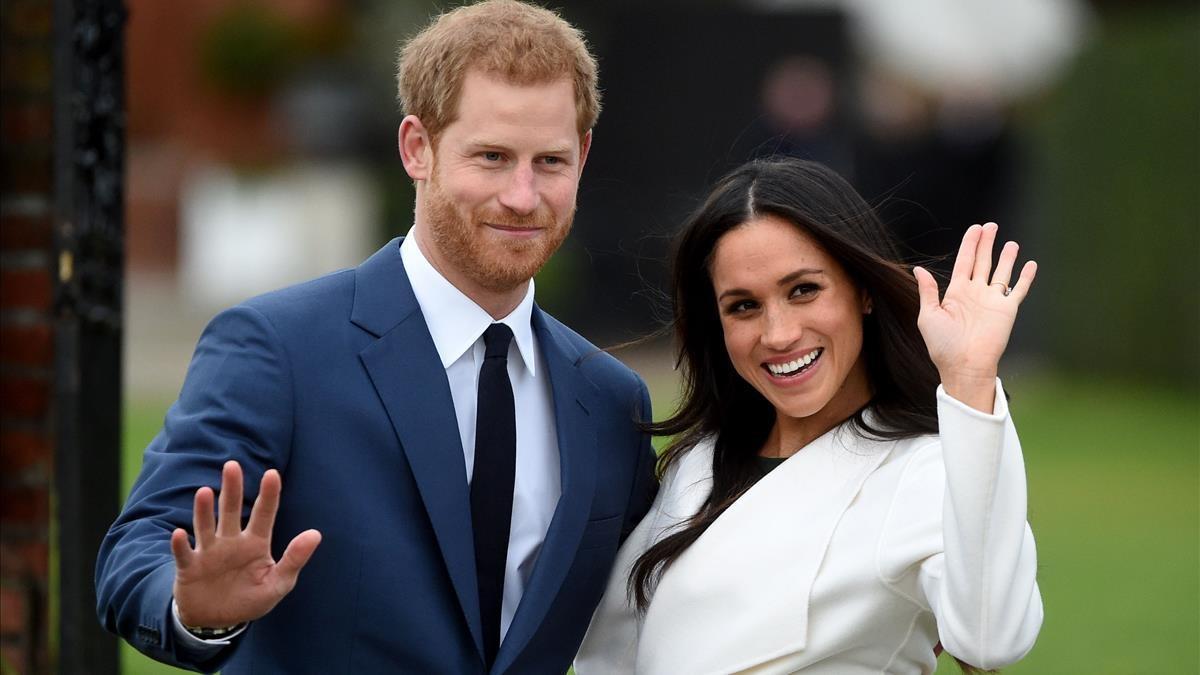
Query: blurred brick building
(26,333)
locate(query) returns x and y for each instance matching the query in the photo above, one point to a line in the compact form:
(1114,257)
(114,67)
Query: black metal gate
(89,163)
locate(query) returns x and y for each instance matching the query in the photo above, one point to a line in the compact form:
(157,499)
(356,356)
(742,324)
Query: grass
(1115,507)
(1114,484)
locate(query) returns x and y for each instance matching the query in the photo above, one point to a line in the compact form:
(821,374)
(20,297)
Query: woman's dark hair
(716,402)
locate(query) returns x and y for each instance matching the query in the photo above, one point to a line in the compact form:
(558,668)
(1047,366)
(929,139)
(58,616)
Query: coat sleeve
(645,483)
(982,584)
(236,403)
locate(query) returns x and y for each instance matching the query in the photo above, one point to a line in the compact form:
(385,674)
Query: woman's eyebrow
(797,274)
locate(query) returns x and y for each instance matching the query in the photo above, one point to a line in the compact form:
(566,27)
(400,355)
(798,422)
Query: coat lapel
(741,591)
(573,399)
(404,367)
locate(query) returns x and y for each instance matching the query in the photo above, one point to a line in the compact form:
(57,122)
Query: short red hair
(521,43)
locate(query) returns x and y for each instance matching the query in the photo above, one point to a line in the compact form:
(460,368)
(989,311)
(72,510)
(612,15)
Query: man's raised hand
(230,576)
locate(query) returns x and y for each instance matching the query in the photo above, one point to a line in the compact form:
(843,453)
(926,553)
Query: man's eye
(492,156)
(552,160)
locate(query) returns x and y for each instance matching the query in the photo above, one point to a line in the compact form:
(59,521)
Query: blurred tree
(247,50)
(1117,209)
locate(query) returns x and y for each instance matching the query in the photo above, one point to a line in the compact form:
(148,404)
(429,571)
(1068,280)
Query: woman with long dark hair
(845,491)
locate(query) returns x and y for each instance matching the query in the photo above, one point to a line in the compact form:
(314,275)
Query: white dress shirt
(456,325)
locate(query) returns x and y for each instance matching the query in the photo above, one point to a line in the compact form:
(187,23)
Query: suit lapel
(574,397)
(404,367)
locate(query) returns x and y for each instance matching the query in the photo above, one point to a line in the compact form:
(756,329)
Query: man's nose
(780,330)
(520,195)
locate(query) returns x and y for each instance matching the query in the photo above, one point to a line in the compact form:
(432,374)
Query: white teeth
(791,367)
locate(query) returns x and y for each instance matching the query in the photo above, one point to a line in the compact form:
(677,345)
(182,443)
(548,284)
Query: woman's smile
(790,371)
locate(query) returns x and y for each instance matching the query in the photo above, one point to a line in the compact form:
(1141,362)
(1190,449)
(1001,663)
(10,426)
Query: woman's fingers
(1004,266)
(983,253)
(1021,289)
(966,255)
(229,514)
(927,289)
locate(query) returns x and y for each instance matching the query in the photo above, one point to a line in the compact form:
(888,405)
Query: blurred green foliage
(1116,193)
(250,48)
(247,50)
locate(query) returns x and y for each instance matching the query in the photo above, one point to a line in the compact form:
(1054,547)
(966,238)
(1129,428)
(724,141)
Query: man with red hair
(451,468)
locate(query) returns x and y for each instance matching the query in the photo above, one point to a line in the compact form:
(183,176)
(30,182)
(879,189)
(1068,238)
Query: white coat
(855,555)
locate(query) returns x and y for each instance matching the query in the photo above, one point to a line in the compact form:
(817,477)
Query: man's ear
(585,144)
(416,148)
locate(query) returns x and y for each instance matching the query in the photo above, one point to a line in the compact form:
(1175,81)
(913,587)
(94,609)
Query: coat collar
(383,296)
(705,617)
(459,321)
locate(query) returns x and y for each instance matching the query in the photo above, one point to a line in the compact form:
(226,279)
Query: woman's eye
(740,307)
(803,290)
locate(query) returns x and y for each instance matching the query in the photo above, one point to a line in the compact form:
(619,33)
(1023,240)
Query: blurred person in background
(845,492)
(799,100)
(458,474)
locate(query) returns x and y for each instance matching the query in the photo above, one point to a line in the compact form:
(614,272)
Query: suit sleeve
(980,578)
(236,403)
(645,483)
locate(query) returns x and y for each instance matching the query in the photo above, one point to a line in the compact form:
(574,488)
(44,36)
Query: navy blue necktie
(492,481)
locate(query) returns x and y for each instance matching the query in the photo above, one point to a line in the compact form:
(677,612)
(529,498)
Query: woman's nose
(781,330)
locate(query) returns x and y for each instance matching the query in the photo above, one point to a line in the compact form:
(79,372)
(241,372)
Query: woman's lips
(795,370)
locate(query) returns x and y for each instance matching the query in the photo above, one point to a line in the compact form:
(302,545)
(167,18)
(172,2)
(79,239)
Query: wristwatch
(213,633)
(206,633)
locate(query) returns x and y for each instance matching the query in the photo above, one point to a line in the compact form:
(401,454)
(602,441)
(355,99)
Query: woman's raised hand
(967,330)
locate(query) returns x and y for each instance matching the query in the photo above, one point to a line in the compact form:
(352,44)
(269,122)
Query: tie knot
(496,340)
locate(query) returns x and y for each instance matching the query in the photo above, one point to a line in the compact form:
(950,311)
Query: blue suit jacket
(336,383)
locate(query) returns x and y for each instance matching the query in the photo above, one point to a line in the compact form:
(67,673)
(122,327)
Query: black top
(768,464)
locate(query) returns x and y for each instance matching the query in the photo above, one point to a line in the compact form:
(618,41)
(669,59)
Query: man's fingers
(927,288)
(181,549)
(262,516)
(229,515)
(297,554)
(966,255)
(1028,272)
(203,523)
(983,253)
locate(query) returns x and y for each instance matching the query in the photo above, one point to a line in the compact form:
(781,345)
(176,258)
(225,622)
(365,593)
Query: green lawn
(1114,473)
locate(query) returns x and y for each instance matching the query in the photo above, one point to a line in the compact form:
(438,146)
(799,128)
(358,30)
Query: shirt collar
(455,322)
